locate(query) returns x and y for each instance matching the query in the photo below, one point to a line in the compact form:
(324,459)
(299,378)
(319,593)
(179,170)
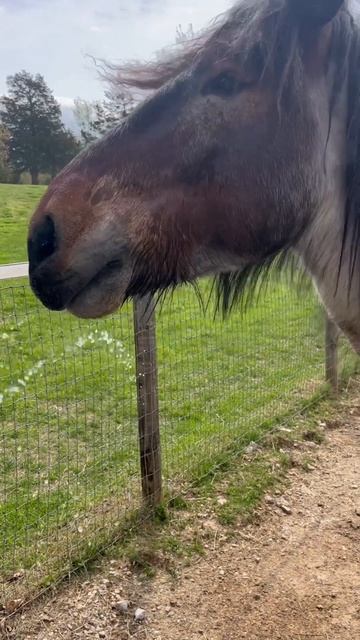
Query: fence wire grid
(80,401)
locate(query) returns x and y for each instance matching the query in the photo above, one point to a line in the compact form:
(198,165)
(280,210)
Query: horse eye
(225,84)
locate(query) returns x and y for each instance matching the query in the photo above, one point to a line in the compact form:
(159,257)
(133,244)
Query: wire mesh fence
(97,416)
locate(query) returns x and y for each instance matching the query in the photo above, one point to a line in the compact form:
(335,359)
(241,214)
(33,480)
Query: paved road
(9,271)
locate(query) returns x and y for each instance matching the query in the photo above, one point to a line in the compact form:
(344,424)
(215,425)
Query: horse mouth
(102,295)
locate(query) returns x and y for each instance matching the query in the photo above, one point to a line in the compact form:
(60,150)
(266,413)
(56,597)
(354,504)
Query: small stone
(269,500)
(320,607)
(122,606)
(46,618)
(16,576)
(140,615)
(252,448)
(284,507)
(221,501)
(357,511)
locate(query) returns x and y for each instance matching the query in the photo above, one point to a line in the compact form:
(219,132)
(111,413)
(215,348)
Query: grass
(69,469)
(17,202)
(216,507)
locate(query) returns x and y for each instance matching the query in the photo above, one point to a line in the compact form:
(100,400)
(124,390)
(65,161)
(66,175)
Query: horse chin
(92,308)
(101,297)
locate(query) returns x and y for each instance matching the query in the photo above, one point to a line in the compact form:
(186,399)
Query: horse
(244,152)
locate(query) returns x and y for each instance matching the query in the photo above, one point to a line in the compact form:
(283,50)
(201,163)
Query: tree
(184,36)
(97,117)
(63,148)
(4,155)
(85,113)
(38,139)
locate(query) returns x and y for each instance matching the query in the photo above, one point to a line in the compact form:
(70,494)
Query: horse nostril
(42,242)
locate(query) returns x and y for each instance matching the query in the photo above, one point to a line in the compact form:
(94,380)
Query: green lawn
(69,467)
(17,202)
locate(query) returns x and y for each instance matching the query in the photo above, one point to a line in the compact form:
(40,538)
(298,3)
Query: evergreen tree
(38,140)
(63,148)
(4,155)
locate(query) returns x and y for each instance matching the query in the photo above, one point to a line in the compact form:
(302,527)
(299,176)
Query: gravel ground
(293,573)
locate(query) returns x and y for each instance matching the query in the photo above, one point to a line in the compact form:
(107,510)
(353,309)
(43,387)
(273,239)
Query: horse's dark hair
(240,24)
(282,50)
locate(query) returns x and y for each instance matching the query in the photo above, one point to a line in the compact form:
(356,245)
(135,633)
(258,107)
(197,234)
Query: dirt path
(14,270)
(289,576)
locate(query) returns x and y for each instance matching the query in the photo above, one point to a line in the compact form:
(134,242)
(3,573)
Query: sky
(58,37)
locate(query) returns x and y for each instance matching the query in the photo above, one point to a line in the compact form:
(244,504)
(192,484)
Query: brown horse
(248,149)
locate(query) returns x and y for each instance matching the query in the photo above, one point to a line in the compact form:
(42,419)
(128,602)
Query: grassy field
(69,467)
(17,202)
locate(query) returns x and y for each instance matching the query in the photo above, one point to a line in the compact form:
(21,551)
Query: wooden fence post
(147,396)
(331,354)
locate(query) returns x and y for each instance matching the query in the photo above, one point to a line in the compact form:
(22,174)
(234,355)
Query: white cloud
(52,37)
(65,102)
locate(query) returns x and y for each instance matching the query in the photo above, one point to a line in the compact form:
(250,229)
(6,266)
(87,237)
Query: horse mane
(154,74)
(351,236)
(223,34)
(281,48)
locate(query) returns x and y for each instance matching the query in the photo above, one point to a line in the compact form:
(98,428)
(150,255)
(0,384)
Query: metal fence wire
(96,417)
